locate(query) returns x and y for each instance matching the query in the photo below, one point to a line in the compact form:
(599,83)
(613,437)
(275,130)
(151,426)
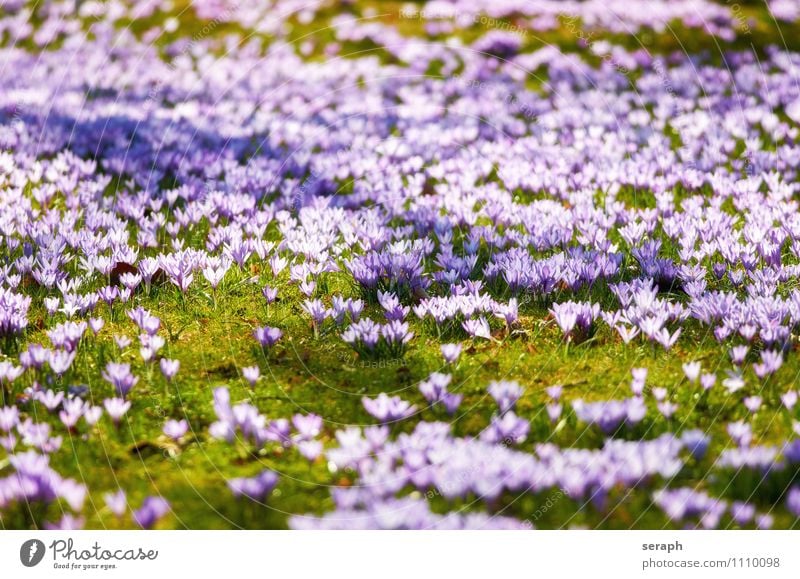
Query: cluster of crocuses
(33,481)
(631,198)
(432,461)
(243,424)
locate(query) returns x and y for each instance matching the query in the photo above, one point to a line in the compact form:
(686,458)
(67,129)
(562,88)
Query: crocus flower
(793,501)
(67,523)
(61,360)
(256,488)
(742,512)
(388,409)
(175,429)
(96,324)
(707,381)
(120,377)
(251,374)
(308,425)
(740,432)
(50,399)
(554,392)
(152,509)
(771,361)
(451,402)
(116,408)
(764,521)
(505,394)
(169,368)
(9,416)
(435,387)
(267,336)
(696,442)
(450,352)
(310,449)
(507,429)
(270,293)
(789,399)
(753,403)
(478,328)
(692,371)
(116,502)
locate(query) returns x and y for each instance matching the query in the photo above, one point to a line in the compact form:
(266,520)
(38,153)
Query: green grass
(321,374)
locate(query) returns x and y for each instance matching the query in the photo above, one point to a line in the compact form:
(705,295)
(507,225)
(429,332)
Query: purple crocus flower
(364,334)
(169,368)
(146,322)
(610,414)
(742,512)
(276,431)
(388,409)
(34,357)
(696,442)
(393,309)
(738,354)
(50,399)
(61,360)
(507,429)
(793,501)
(251,374)
(505,394)
(789,399)
(308,426)
(554,412)
(771,361)
(176,429)
(707,381)
(310,449)
(451,402)
(317,310)
(67,335)
(575,318)
(116,502)
(396,334)
(269,293)
(116,408)
(692,371)
(741,433)
(67,523)
(764,521)
(450,352)
(554,392)
(508,312)
(435,387)
(752,403)
(215,271)
(667,409)
(9,417)
(152,509)
(256,488)
(120,377)
(9,373)
(638,382)
(267,336)
(478,328)
(96,324)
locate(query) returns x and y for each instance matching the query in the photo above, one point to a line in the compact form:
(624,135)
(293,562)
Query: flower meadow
(457,264)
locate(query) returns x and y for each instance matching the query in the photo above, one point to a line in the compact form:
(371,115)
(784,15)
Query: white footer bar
(406,555)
